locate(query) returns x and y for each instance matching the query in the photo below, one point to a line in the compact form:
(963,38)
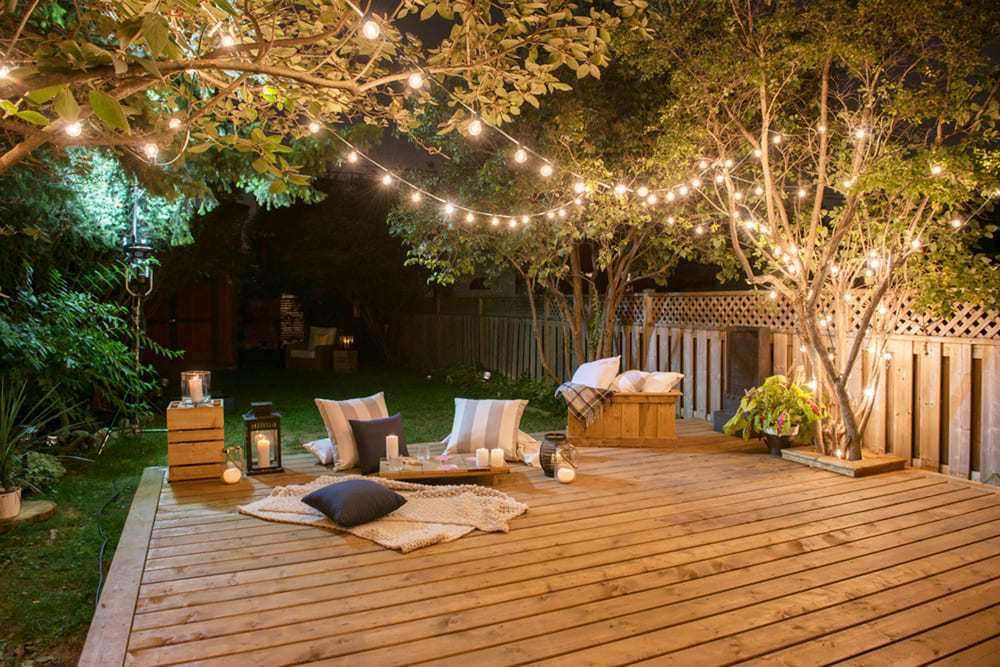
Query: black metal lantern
(262,439)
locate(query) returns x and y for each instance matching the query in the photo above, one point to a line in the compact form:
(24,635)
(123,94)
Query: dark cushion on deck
(354,501)
(369,434)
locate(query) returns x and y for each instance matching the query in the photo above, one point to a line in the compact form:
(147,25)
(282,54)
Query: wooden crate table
(345,361)
(195,438)
(629,420)
(456,467)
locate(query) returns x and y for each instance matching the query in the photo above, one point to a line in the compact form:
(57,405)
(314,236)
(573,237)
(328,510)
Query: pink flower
(781,421)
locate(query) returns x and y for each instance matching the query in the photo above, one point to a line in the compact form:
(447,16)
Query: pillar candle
(565,474)
(482,458)
(496,458)
(195,390)
(263,452)
(392,446)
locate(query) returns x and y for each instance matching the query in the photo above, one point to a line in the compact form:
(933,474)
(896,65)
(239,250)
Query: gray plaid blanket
(585,403)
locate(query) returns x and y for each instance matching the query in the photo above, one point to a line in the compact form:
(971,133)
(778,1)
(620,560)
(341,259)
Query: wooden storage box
(195,438)
(629,420)
(345,361)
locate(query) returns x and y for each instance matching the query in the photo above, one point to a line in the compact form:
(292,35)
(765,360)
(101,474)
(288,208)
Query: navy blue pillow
(354,501)
(369,435)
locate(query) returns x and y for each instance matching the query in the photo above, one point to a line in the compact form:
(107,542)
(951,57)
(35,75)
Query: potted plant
(20,430)
(778,411)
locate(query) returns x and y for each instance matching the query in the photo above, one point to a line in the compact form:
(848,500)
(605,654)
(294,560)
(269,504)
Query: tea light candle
(496,458)
(195,390)
(566,475)
(263,452)
(231,475)
(482,458)
(392,447)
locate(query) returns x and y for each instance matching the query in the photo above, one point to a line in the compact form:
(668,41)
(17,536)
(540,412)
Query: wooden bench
(629,420)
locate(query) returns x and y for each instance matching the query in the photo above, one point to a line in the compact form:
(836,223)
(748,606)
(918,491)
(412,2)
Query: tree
(177,76)
(581,237)
(852,149)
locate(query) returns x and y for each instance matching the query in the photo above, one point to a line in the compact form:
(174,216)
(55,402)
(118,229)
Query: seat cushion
(354,501)
(659,383)
(335,416)
(598,374)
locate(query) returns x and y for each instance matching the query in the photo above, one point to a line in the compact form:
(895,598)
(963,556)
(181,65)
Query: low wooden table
(431,469)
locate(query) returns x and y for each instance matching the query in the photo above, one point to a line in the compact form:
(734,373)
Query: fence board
(687,345)
(701,374)
(875,435)
(989,428)
(929,405)
(902,398)
(779,353)
(959,409)
(715,371)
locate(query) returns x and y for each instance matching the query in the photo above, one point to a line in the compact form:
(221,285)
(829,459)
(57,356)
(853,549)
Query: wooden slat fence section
(937,403)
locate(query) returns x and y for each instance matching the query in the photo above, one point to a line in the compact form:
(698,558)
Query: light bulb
(150,150)
(873,264)
(671,220)
(448,208)
(683,190)
(671,196)
(758,191)
(416,80)
(562,213)
(546,170)
(848,297)
(937,169)
(956,223)
(915,244)
(469,217)
(512,224)
(387,179)
(802,192)
(718,178)
(776,139)
(651,199)
(495,221)
(749,224)
(703,165)
(727,164)
(415,197)
(174,123)
(352,157)
(4,71)
(736,215)
(475,128)
(737,195)
(228,40)
(642,191)
(773,294)
(834,270)
(882,310)
(695,182)
(849,183)
(821,129)
(520,155)
(370,29)
(314,127)
(579,187)
(859,133)
(550,214)
(620,189)
(74,129)
(699,230)
(757,152)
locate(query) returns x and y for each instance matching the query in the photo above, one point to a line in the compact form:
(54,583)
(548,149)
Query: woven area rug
(432,514)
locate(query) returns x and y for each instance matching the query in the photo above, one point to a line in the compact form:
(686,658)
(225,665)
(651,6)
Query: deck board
(708,552)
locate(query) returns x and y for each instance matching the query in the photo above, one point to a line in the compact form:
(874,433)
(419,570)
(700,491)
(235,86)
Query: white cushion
(599,374)
(629,382)
(489,424)
(301,354)
(335,416)
(323,451)
(660,383)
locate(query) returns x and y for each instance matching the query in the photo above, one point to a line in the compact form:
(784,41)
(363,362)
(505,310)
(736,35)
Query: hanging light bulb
(718,178)
(758,191)
(821,129)
(915,244)
(151,150)
(227,40)
(773,294)
(415,197)
(699,230)
(757,152)
(749,224)
(620,189)
(4,71)
(370,29)
(937,169)
(727,164)
(550,214)
(859,133)
(469,217)
(695,182)
(512,223)
(562,213)
(579,187)
(651,199)
(683,190)
(520,155)
(416,80)
(671,220)
(448,208)
(703,165)
(352,157)
(642,191)
(74,129)
(525,219)
(776,139)
(802,193)
(956,223)
(546,170)
(495,221)
(737,195)
(386,178)
(475,128)
(314,127)
(671,196)
(174,123)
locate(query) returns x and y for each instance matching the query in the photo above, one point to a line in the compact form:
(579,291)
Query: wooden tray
(431,469)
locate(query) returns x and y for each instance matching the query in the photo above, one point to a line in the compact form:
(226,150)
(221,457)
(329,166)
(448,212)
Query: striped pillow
(486,424)
(335,416)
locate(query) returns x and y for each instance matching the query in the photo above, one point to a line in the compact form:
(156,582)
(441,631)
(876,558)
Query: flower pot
(777,442)
(10,503)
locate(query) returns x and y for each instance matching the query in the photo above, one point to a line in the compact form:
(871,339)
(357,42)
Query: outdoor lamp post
(262,439)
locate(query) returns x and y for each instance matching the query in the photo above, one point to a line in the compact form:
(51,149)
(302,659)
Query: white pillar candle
(565,475)
(392,446)
(195,390)
(231,475)
(496,458)
(263,452)
(482,458)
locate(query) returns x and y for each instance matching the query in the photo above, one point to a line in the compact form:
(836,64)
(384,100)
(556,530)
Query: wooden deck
(708,553)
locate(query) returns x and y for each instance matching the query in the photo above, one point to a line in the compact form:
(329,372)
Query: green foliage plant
(22,424)
(777,406)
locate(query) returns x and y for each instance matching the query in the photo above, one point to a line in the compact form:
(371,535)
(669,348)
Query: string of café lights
(582,188)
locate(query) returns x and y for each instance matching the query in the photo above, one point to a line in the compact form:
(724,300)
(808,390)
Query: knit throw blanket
(585,403)
(431,514)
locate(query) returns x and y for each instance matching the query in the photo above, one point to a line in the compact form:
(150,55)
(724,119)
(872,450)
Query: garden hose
(104,543)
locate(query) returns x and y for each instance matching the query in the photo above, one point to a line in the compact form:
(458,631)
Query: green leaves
(66,106)
(157,32)
(109,110)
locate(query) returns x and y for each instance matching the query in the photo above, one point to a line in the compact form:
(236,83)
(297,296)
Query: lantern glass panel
(262,443)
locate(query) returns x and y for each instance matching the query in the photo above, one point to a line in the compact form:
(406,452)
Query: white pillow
(629,382)
(335,416)
(660,383)
(323,451)
(599,374)
(489,424)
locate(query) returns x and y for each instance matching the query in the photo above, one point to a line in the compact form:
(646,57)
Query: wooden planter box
(630,420)
(195,438)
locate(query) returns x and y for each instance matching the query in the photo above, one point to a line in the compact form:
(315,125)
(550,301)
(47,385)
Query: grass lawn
(49,571)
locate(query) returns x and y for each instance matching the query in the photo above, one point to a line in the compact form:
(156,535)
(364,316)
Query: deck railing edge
(107,639)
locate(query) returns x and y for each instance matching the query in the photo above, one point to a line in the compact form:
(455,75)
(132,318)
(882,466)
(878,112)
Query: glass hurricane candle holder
(196,387)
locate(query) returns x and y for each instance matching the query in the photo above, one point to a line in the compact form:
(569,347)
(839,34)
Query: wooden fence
(938,398)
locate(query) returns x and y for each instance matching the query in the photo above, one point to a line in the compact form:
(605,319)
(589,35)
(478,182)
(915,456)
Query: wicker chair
(313,354)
